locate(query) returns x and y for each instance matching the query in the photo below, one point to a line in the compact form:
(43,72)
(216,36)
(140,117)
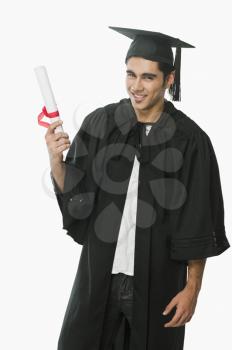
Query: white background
(85,61)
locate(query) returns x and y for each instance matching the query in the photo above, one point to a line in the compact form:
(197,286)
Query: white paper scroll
(47,93)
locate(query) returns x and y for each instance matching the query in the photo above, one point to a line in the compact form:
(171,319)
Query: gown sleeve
(77,200)
(198,230)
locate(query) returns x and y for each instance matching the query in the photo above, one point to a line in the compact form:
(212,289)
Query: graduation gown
(180,216)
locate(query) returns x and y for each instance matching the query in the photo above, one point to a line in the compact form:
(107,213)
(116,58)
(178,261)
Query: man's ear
(170,79)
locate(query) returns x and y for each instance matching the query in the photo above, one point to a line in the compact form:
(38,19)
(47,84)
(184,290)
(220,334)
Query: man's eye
(149,78)
(130,74)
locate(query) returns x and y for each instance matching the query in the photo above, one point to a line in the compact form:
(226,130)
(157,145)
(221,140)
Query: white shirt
(124,253)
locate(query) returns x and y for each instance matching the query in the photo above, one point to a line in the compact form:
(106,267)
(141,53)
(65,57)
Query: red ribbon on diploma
(45,113)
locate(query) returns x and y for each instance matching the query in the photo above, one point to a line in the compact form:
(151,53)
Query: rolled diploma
(47,93)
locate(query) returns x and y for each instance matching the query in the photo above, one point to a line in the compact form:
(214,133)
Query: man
(140,190)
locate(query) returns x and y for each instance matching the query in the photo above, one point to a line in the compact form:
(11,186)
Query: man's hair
(166,69)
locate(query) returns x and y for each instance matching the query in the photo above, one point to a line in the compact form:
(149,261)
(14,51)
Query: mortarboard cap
(155,46)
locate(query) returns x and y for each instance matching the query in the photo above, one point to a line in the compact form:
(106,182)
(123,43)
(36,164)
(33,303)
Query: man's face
(145,83)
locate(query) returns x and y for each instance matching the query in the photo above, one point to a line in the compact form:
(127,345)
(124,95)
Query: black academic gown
(180,216)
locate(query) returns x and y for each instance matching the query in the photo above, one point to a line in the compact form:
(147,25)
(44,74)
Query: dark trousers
(119,306)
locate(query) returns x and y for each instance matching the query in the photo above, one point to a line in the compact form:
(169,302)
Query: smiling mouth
(138,97)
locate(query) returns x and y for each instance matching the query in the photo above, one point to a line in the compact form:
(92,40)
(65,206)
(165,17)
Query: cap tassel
(176,90)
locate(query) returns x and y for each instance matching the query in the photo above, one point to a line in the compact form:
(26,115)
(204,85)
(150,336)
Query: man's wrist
(58,174)
(194,285)
(195,274)
(56,164)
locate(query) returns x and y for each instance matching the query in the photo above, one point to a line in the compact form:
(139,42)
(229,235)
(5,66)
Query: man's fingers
(174,320)
(58,135)
(62,148)
(189,317)
(55,146)
(181,321)
(53,137)
(54,125)
(169,307)
(62,141)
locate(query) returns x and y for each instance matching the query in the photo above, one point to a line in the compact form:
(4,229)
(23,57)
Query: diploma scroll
(50,109)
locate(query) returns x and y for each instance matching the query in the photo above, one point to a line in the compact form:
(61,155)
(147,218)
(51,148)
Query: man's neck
(152,114)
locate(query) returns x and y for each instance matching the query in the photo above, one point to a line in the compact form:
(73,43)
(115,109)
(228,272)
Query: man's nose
(137,86)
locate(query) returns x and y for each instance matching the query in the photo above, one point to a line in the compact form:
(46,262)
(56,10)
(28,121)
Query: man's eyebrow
(144,74)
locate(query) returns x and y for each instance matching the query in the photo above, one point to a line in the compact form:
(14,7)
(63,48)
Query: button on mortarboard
(155,46)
